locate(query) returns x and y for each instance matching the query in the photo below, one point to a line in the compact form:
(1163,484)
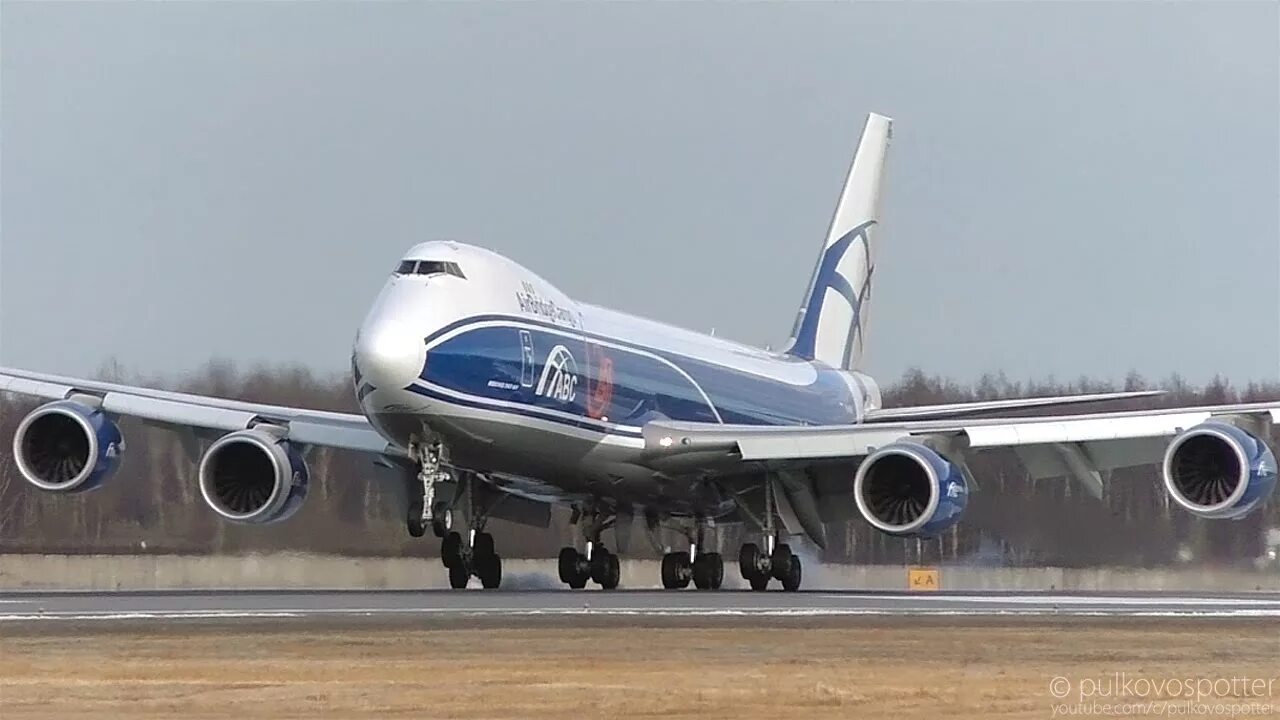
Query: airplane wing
(974,409)
(912,478)
(1082,447)
(305,427)
(1117,439)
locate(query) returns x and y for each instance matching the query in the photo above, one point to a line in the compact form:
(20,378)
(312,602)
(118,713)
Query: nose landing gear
(465,552)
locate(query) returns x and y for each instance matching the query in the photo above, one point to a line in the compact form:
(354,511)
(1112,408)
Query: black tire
(703,571)
(490,571)
(441,520)
(612,572)
(759,582)
(415,526)
(674,575)
(413,519)
(600,565)
(458,577)
(780,562)
(749,560)
(568,565)
(451,551)
(791,578)
(715,571)
(482,546)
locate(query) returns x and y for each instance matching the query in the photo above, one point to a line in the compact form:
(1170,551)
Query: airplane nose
(389,354)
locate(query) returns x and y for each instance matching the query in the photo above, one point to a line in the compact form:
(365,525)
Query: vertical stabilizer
(832,322)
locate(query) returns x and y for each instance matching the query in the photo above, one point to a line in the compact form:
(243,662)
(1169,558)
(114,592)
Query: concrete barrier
(299,571)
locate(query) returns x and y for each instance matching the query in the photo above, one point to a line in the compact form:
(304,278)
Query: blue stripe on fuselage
(594,378)
(583,423)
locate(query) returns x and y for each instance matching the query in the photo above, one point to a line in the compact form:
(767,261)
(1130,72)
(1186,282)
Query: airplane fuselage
(549,394)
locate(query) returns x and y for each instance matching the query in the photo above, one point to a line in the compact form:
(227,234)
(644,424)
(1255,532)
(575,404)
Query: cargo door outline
(527,362)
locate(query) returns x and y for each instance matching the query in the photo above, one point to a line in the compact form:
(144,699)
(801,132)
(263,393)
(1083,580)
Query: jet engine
(908,489)
(67,446)
(253,476)
(1219,471)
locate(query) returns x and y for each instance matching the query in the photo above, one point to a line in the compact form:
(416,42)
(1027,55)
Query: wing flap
(1034,431)
(971,409)
(170,412)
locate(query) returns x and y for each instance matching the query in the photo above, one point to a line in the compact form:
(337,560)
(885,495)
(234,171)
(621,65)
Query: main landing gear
(597,563)
(758,567)
(467,552)
(705,569)
(777,560)
(477,557)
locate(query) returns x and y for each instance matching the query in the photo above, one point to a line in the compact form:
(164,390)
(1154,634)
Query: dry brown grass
(867,668)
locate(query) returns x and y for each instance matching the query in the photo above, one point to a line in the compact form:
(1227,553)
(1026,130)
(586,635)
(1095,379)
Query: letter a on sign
(922,579)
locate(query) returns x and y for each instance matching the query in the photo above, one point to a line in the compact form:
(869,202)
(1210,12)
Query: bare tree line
(152,504)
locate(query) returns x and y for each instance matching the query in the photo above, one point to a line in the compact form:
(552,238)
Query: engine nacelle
(253,476)
(1219,471)
(908,489)
(67,446)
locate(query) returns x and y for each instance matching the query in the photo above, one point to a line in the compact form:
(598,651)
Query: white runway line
(1189,611)
(1111,600)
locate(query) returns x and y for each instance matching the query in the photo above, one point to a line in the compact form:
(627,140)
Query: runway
(233,605)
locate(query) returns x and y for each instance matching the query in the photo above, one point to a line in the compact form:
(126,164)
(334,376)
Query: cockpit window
(429,267)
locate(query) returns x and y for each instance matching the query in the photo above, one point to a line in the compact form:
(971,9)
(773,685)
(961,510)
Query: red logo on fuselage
(599,382)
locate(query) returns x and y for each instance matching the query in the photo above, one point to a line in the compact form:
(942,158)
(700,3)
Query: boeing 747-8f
(491,393)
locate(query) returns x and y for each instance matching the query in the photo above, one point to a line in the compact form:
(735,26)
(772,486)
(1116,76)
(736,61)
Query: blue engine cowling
(908,489)
(67,446)
(1219,471)
(254,476)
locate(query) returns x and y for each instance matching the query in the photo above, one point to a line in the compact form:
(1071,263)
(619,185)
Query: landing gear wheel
(791,578)
(606,570)
(749,560)
(489,569)
(780,563)
(717,570)
(675,570)
(613,574)
(708,571)
(458,576)
(759,582)
(573,570)
(441,521)
(482,545)
(451,551)
(413,520)
(568,564)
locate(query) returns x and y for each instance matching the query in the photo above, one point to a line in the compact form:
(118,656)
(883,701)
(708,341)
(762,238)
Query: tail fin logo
(559,379)
(831,276)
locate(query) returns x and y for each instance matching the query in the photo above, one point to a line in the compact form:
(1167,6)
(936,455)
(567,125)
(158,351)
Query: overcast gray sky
(1074,188)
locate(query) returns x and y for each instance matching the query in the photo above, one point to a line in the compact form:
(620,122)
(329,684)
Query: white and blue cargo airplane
(490,393)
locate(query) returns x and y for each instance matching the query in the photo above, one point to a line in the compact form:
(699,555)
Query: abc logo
(559,379)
